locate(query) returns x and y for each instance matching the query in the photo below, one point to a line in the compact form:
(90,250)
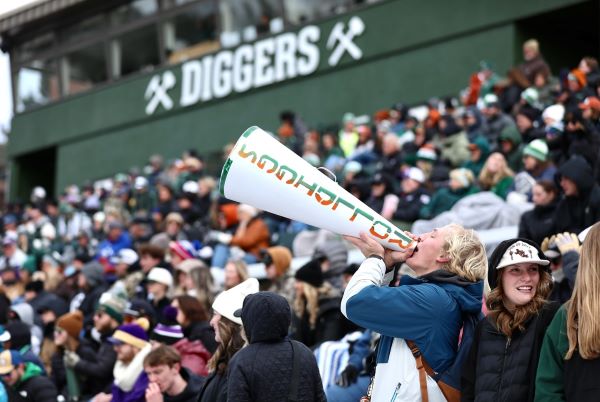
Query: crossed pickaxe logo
(344,42)
(157,91)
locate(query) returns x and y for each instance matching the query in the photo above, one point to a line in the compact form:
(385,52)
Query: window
(84,68)
(36,84)
(133,11)
(191,33)
(135,51)
(244,20)
(33,47)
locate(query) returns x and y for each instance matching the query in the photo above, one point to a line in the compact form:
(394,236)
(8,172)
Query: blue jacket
(427,310)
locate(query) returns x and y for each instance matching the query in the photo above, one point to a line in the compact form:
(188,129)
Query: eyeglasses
(99,314)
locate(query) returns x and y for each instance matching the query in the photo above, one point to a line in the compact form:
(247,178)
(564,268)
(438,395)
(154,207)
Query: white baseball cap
(521,252)
(126,256)
(160,275)
(416,174)
(229,301)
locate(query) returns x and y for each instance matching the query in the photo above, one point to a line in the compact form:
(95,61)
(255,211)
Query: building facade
(99,86)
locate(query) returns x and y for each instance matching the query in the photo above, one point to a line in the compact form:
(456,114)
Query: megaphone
(262,172)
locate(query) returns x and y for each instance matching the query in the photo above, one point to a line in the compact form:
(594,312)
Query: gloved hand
(567,242)
(547,243)
(221,237)
(71,359)
(348,376)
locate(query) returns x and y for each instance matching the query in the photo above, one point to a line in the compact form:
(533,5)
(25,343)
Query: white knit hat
(537,149)
(227,302)
(554,112)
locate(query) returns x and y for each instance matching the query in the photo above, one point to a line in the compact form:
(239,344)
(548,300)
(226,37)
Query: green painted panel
(393,28)
(441,68)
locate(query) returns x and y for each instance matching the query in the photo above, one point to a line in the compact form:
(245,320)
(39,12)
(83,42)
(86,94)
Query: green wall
(412,50)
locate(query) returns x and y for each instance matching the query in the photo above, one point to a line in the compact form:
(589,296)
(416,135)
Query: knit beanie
(113,306)
(94,273)
(311,273)
(537,149)
(427,153)
(280,256)
(167,334)
(131,334)
(72,323)
(335,252)
(183,248)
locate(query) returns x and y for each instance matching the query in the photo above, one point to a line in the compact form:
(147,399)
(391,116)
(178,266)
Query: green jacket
(454,148)
(549,380)
(501,188)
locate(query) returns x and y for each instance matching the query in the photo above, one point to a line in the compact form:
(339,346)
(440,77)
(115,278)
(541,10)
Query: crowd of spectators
(92,278)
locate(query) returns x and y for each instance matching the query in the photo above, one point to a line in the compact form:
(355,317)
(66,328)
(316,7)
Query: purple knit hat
(131,334)
(167,334)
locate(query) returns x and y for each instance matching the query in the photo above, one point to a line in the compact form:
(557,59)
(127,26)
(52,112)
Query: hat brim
(539,262)
(238,313)
(6,369)
(5,336)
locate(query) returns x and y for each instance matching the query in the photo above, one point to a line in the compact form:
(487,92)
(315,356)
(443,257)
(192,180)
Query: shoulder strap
(293,394)
(423,368)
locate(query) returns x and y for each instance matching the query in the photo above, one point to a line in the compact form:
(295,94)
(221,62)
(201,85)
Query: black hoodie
(263,370)
(575,213)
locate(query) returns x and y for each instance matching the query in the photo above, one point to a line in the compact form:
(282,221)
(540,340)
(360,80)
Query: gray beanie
(335,252)
(94,273)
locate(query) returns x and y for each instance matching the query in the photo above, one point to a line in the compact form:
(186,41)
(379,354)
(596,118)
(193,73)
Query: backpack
(449,380)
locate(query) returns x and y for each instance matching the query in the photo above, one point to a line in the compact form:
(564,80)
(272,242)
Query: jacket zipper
(503,365)
(396,392)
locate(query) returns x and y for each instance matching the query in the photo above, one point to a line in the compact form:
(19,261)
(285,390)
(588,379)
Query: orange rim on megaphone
(262,172)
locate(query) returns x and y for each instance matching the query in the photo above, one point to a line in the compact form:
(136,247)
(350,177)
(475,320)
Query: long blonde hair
(309,301)
(231,342)
(583,327)
(488,179)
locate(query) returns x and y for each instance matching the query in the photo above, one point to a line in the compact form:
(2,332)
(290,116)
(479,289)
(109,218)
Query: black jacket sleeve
(102,366)
(58,375)
(469,370)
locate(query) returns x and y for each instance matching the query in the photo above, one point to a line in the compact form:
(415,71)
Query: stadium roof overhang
(34,11)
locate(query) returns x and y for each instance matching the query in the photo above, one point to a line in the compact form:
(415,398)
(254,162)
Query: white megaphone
(262,172)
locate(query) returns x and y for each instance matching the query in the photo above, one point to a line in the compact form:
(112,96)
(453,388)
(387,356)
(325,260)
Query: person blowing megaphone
(450,264)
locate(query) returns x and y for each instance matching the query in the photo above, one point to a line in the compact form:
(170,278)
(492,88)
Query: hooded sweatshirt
(575,213)
(263,370)
(34,386)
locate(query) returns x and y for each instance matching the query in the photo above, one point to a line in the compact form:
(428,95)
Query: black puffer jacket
(263,370)
(575,213)
(499,369)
